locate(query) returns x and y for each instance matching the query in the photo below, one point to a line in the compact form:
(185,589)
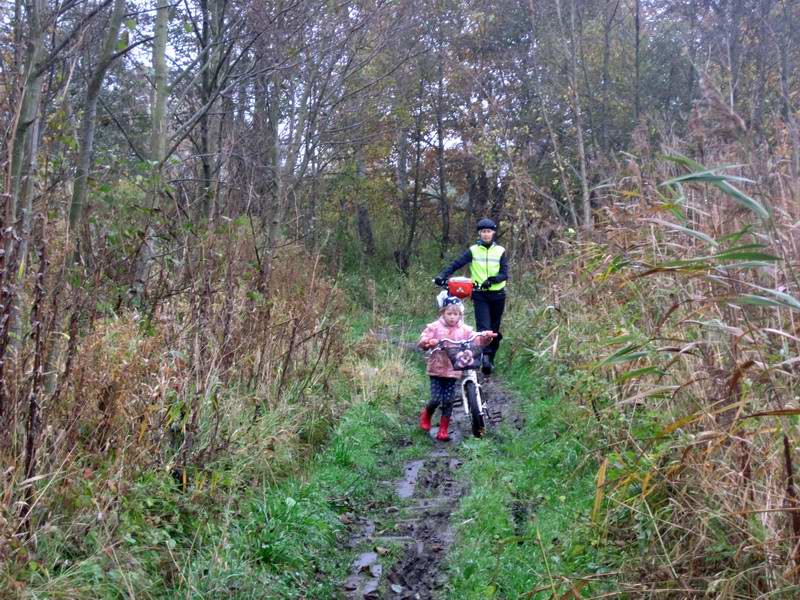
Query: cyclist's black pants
(489,307)
(442,392)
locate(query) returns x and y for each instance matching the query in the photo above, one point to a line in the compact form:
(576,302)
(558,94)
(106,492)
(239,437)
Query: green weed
(524,530)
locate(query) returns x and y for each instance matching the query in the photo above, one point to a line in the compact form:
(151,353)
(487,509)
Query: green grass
(288,538)
(525,524)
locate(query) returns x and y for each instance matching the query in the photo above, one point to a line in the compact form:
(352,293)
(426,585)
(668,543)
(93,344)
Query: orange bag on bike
(461,287)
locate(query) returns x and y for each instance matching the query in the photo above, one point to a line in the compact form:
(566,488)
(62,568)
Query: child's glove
(440,281)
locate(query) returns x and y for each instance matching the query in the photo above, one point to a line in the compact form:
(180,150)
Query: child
(444,377)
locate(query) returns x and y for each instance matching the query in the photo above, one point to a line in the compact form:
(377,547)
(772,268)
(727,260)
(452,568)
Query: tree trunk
(444,205)
(89,119)
(472,192)
(212,58)
(33,421)
(637,58)
(18,35)
(17,218)
(762,56)
(586,208)
(158,133)
(561,165)
(158,143)
(205,96)
(691,77)
(80,186)
(365,230)
(364,222)
(787,108)
(404,197)
(608,23)
(25,139)
(734,49)
(278,193)
(290,158)
(411,197)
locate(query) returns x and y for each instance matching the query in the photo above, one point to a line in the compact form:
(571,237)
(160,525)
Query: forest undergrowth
(524,526)
(658,354)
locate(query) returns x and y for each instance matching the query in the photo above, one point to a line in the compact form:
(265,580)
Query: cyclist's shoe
(486,365)
(441,435)
(425,419)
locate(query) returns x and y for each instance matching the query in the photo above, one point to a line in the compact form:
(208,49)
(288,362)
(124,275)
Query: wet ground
(403,548)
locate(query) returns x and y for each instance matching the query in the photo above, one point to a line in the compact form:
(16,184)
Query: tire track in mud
(406,546)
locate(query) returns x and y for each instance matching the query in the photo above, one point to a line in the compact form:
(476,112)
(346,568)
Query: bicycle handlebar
(465,341)
(444,283)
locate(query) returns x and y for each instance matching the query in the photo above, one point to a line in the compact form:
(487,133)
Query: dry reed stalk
(792,500)
(725,362)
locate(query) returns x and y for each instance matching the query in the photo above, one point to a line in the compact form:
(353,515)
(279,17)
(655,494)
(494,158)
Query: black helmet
(487,224)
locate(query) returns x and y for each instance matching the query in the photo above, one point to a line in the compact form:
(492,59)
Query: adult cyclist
(489,271)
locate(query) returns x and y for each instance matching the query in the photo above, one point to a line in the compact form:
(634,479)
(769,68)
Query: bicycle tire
(476,418)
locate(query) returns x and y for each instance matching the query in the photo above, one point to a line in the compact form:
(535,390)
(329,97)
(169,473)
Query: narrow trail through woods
(419,524)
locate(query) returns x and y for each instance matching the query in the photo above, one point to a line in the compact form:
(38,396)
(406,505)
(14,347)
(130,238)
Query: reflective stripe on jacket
(486,263)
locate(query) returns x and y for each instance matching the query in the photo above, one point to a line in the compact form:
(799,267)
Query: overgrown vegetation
(681,319)
(263,514)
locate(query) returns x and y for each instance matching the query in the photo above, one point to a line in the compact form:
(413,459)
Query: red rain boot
(425,419)
(441,435)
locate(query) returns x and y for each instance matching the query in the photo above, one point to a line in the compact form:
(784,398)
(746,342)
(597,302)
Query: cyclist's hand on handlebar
(489,282)
(488,333)
(431,343)
(440,281)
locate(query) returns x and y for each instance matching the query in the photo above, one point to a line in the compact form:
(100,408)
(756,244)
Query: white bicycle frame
(471,375)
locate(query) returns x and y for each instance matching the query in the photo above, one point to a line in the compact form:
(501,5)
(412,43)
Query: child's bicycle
(465,355)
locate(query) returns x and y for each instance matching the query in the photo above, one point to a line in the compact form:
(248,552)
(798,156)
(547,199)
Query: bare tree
(108,53)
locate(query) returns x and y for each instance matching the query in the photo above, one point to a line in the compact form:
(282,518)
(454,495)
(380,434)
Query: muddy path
(403,549)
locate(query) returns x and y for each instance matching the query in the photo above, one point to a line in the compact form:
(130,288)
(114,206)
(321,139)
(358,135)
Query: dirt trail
(427,494)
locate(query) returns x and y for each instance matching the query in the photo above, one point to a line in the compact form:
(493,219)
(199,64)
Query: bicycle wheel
(478,426)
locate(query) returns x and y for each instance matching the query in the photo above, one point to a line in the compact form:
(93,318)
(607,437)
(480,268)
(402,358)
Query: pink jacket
(438,362)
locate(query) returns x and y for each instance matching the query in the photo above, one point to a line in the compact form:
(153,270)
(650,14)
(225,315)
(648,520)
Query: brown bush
(173,384)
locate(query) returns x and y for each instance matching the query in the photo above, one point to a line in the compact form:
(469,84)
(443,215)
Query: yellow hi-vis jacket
(486,263)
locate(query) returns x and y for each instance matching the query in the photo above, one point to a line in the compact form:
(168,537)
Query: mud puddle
(404,548)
